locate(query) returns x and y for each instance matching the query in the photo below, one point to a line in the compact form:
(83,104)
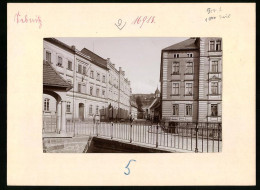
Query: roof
(184,45)
(95,58)
(52,78)
(60,44)
(155,104)
(85,53)
(133,104)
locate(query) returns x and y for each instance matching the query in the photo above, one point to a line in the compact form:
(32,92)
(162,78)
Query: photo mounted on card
(91,105)
(129,91)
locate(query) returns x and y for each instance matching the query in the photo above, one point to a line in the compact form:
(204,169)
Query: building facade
(88,74)
(191,81)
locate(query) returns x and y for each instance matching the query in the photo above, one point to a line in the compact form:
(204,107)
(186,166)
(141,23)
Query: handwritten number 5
(128,166)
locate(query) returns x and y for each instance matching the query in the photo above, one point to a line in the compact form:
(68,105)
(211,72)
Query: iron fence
(198,137)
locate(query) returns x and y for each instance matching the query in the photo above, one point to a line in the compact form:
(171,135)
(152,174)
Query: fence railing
(198,137)
(49,123)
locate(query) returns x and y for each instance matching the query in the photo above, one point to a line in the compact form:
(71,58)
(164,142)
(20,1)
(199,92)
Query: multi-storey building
(88,74)
(191,81)
(119,92)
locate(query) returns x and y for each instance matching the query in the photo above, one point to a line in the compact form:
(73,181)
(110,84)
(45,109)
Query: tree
(139,102)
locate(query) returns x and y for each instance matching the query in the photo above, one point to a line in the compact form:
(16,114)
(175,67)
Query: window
(69,65)
(175,68)
(176,55)
(211,45)
(190,54)
(214,110)
(97,92)
(79,87)
(189,110)
(83,88)
(91,90)
(46,104)
(91,74)
(48,56)
(214,66)
(103,92)
(79,68)
(97,109)
(218,45)
(214,87)
(90,109)
(104,78)
(59,61)
(175,88)
(98,76)
(175,109)
(103,110)
(215,45)
(189,68)
(68,107)
(188,89)
(84,70)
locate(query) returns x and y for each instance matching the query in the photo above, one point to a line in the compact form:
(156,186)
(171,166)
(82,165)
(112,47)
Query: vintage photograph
(132,95)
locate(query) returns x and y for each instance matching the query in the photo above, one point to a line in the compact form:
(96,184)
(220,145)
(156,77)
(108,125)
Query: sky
(139,57)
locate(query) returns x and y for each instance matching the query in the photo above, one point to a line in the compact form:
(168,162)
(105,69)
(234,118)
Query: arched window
(46,104)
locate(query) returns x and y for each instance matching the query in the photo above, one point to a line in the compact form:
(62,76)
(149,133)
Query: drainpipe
(74,79)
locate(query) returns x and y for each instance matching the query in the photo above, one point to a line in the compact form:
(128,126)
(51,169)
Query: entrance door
(81,111)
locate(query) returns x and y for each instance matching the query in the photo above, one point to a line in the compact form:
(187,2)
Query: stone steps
(75,144)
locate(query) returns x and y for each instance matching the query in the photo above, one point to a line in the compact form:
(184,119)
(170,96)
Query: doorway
(81,111)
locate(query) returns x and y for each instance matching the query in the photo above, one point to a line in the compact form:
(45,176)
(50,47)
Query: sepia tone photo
(132,95)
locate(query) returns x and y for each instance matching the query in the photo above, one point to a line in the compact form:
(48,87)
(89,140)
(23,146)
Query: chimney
(113,64)
(73,47)
(120,69)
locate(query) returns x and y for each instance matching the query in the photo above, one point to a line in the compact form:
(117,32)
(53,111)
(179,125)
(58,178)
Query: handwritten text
(25,19)
(127,167)
(216,14)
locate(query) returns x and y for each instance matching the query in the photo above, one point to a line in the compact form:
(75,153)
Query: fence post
(131,125)
(157,127)
(111,130)
(196,130)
